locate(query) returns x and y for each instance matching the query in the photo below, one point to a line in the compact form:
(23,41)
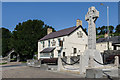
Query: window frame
(74,50)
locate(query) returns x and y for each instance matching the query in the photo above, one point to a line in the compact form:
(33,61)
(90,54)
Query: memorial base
(94,73)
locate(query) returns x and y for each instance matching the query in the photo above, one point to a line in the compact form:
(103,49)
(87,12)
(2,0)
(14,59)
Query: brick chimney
(78,22)
(106,35)
(49,30)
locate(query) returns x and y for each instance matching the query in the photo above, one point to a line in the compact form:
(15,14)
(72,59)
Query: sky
(59,15)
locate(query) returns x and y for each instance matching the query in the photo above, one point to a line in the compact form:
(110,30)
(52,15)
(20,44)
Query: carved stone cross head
(92,14)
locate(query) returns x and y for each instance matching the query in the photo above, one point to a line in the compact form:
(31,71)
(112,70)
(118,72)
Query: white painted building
(69,42)
(114,43)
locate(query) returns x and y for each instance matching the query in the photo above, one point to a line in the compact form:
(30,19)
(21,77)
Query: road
(18,70)
(22,71)
(12,66)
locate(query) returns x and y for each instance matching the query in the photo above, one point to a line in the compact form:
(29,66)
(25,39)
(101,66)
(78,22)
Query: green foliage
(99,36)
(102,30)
(117,29)
(6,47)
(23,61)
(85,29)
(111,28)
(3,63)
(25,37)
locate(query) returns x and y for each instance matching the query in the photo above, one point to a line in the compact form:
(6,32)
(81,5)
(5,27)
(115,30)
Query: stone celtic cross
(91,17)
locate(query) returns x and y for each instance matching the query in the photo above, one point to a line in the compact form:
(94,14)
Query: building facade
(114,43)
(68,42)
(72,41)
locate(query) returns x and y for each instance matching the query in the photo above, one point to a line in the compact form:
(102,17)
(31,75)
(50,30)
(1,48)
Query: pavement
(20,70)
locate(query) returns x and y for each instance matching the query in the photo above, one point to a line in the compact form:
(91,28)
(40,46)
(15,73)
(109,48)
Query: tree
(111,29)
(25,37)
(85,29)
(6,47)
(103,30)
(117,29)
(98,30)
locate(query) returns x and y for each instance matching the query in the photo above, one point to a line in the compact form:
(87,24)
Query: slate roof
(61,33)
(114,39)
(47,50)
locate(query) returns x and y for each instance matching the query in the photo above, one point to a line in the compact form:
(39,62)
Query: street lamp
(107,22)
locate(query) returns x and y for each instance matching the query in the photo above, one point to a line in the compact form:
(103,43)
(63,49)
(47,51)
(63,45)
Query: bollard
(116,63)
(8,59)
(68,59)
(44,67)
(82,68)
(60,66)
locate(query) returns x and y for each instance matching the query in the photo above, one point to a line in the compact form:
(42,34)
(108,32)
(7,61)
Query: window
(45,55)
(115,47)
(85,46)
(63,39)
(60,42)
(43,44)
(48,43)
(74,50)
(80,34)
(53,43)
(63,54)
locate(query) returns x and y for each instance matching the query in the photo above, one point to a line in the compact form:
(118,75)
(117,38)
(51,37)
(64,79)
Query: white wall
(118,48)
(40,46)
(103,46)
(70,42)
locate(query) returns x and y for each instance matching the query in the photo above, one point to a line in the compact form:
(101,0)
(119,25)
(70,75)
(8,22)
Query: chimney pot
(49,30)
(106,35)
(78,22)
